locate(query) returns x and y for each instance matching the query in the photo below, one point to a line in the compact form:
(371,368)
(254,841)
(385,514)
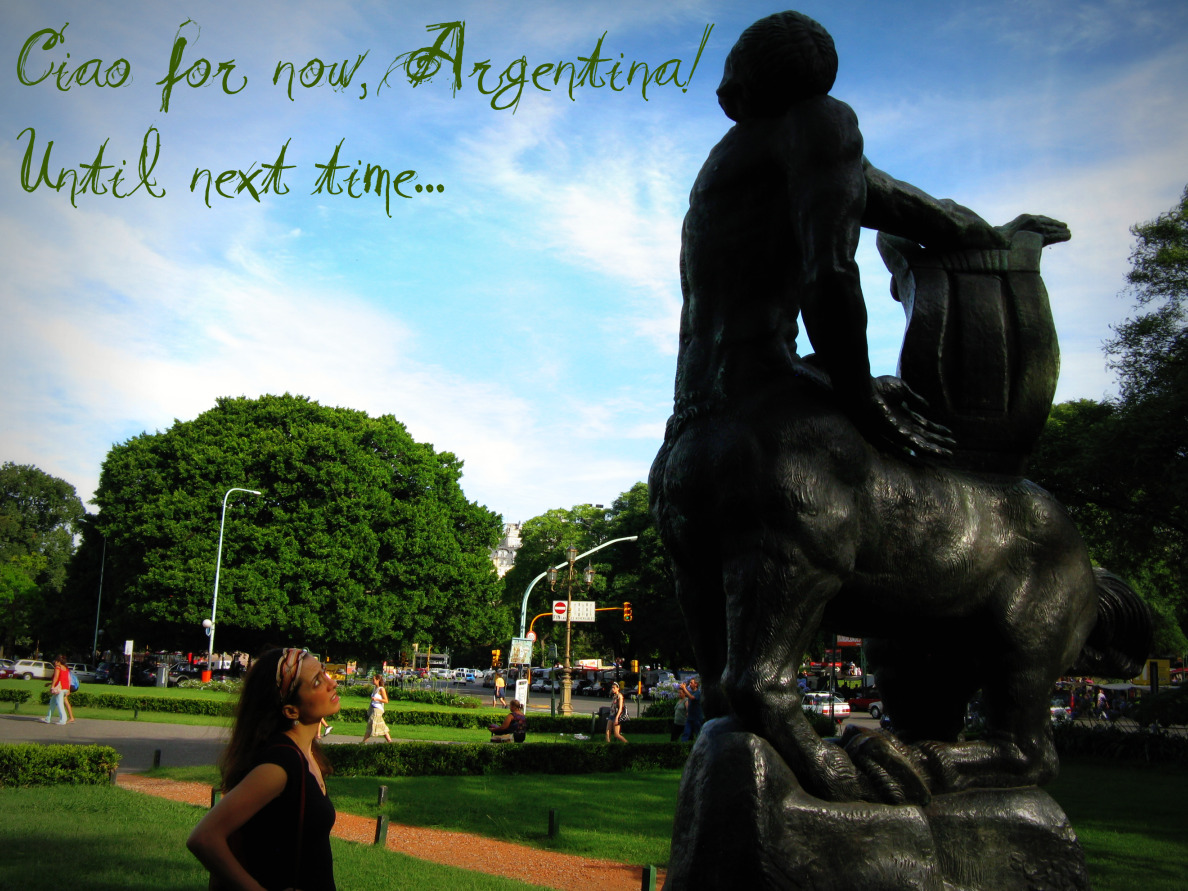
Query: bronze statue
(797,493)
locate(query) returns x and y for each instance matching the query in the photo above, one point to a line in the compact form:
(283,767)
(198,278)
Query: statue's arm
(886,410)
(901,209)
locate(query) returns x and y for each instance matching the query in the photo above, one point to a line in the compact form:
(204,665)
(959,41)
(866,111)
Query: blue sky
(524,318)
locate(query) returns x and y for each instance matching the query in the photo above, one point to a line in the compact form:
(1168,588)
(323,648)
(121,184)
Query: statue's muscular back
(772,224)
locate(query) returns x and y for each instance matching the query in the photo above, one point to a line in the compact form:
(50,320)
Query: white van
(31,668)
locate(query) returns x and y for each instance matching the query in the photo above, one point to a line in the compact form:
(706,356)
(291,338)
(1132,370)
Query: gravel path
(476,853)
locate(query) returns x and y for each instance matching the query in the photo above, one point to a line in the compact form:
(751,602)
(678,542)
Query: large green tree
(1121,466)
(361,544)
(39,518)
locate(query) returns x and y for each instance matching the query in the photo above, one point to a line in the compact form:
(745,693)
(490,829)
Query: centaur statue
(797,493)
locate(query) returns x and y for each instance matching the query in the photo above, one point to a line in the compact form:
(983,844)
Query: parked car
(32,668)
(143,675)
(7,668)
(826,704)
(85,673)
(876,710)
(863,703)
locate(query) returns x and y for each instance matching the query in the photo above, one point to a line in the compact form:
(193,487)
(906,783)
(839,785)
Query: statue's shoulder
(826,124)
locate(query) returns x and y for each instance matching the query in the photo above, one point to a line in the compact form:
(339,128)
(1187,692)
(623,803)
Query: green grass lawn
(626,817)
(1129,818)
(101,838)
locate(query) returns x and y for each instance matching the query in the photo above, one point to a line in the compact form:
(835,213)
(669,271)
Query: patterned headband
(288,669)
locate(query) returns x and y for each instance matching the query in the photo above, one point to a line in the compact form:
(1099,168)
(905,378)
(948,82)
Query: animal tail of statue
(1121,640)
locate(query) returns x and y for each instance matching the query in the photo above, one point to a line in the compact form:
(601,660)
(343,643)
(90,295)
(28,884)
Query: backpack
(73,683)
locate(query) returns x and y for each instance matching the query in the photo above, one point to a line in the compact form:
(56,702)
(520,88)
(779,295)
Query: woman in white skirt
(375,714)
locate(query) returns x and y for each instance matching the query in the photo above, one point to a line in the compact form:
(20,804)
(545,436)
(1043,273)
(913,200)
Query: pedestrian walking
(59,684)
(693,722)
(375,714)
(680,715)
(618,714)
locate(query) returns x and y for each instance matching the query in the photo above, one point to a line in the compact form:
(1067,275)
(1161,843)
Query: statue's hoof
(887,765)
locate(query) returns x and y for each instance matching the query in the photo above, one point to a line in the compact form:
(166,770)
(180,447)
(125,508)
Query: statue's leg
(1031,635)
(698,582)
(775,597)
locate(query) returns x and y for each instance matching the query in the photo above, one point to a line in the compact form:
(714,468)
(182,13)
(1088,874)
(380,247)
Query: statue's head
(775,62)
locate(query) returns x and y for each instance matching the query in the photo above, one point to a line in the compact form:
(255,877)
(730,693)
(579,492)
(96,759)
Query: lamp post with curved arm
(209,624)
(532,584)
(571,556)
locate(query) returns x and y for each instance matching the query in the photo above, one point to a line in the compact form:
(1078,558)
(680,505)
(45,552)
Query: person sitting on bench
(514,726)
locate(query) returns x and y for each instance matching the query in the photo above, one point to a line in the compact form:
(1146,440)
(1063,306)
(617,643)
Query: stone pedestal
(743,821)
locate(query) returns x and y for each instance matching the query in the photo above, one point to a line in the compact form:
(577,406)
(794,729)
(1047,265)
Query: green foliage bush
(429,697)
(475,759)
(661,708)
(1166,708)
(16,697)
(1120,745)
(228,686)
(129,701)
(33,764)
(823,724)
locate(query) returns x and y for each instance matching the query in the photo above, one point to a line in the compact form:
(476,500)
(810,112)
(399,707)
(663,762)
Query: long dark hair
(259,717)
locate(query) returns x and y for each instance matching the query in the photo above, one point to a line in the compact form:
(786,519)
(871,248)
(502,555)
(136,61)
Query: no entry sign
(576,610)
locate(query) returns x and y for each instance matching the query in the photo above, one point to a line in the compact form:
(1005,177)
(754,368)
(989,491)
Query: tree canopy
(39,518)
(361,543)
(634,572)
(1121,466)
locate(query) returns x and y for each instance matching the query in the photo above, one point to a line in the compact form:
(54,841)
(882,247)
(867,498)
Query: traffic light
(495,654)
(626,611)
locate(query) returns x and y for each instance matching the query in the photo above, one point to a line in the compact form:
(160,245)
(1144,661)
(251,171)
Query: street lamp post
(571,554)
(99,602)
(532,584)
(209,624)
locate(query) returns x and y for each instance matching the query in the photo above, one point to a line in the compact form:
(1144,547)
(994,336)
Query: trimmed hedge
(476,759)
(128,701)
(34,764)
(16,697)
(429,697)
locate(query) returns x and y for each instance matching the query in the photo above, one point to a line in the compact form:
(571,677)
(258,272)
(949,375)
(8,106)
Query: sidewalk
(181,745)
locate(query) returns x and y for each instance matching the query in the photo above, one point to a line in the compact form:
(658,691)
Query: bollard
(215,795)
(383,796)
(554,823)
(156,758)
(112,775)
(135,712)
(648,879)
(381,830)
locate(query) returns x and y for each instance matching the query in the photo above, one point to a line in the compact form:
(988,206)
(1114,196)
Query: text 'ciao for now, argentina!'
(45,64)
